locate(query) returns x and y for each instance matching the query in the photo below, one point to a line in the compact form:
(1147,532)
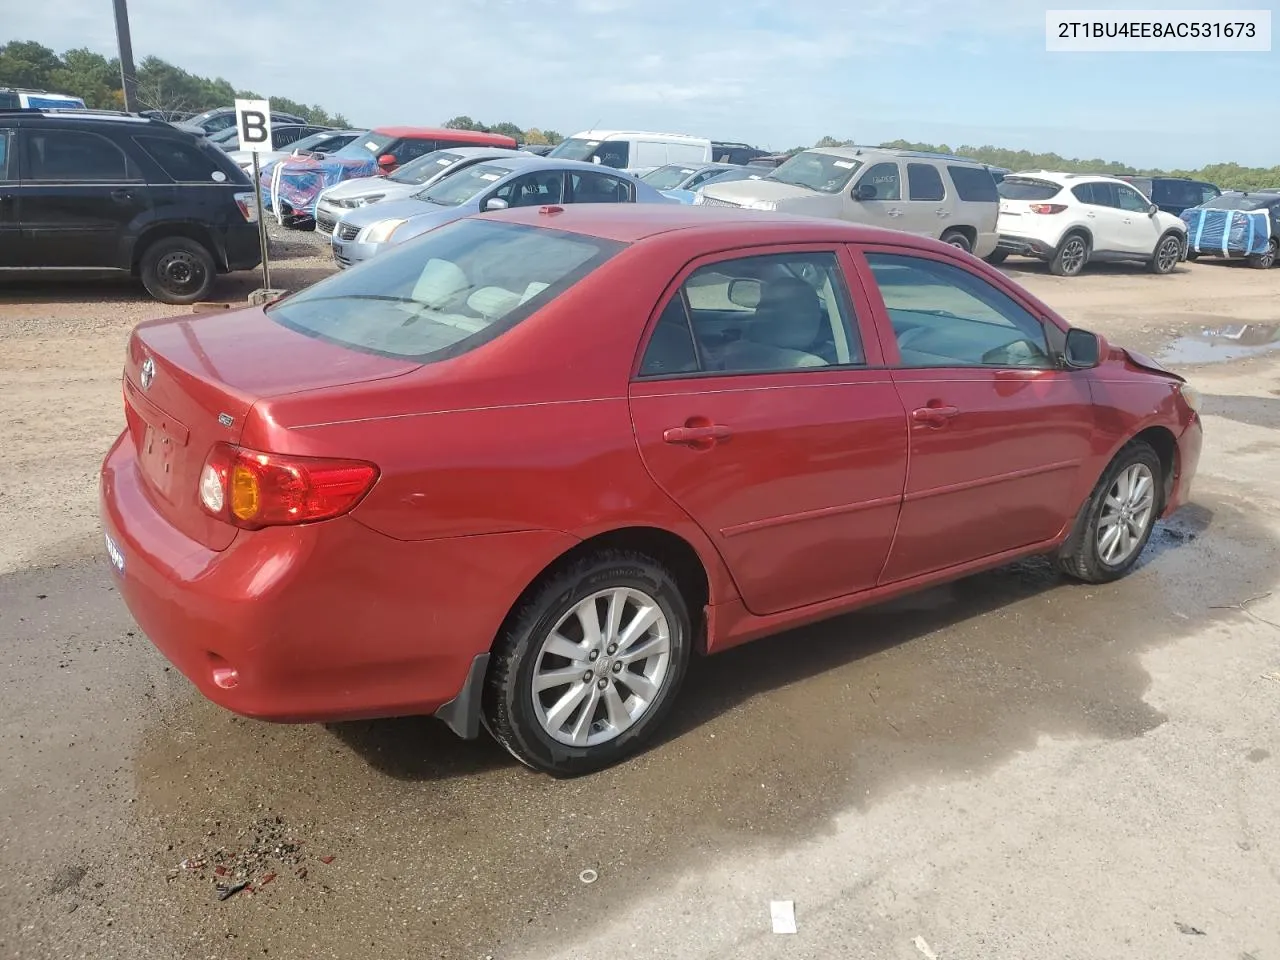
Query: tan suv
(952,199)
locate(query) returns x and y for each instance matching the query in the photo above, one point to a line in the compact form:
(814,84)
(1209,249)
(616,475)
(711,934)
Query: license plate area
(156,457)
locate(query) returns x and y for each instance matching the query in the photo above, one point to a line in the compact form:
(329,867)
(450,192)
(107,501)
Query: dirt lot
(1009,767)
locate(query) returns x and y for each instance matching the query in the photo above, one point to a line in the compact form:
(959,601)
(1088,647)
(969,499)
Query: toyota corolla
(517,472)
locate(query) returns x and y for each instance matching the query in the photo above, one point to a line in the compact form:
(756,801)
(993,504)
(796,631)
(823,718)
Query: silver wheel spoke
(645,618)
(590,621)
(615,709)
(645,649)
(558,714)
(563,647)
(640,685)
(550,679)
(583,726)
(1107,542)
(617,602)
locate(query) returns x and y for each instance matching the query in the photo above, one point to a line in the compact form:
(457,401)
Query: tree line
(163,86)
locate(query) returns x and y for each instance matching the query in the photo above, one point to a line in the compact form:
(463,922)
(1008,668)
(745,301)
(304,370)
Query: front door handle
(895,213)
(934,416)
(944,213)
(121,195)
(697,436)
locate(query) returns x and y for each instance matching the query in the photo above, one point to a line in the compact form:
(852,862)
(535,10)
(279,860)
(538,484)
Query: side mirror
(1083,350)
(864,191)
(386,160)
(744,293)
(496,203)
(595,160)
(1153,208)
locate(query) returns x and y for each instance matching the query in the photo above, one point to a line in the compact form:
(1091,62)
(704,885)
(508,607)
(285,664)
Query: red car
(518,471)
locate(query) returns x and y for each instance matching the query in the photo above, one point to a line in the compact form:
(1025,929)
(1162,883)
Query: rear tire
(625,685)
(1265,261)
(957,238)
(1071,256)
(177,270)
(1117,521)
(1165,257)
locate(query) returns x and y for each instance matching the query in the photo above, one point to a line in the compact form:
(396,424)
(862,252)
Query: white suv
(1069,219)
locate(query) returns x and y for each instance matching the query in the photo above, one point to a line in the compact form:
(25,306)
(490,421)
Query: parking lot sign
(253,123)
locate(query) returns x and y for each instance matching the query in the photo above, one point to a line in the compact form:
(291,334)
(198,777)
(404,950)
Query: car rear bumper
(323,622)
(1024,246)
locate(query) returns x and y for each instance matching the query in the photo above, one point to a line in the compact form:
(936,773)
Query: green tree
(553,137)
(25,63)
(833,142)
(508,129)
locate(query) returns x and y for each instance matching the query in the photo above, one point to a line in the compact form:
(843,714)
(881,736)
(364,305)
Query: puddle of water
(1220,344)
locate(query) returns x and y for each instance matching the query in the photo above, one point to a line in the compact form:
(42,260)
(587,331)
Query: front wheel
(1166,255)
(1119,517)
(1267,259)
(589,665)
(177,270)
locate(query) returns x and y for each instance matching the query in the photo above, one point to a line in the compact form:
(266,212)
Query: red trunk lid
(191,381)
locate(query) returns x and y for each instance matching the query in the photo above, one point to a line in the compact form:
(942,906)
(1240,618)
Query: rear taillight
(252,489)
(248,208)
(1048,207)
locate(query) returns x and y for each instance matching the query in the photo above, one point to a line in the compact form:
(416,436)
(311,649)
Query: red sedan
(517,472)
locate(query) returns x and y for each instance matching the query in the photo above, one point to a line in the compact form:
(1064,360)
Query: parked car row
(92,192)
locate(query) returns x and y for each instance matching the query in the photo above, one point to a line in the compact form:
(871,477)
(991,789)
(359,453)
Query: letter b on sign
(253,123)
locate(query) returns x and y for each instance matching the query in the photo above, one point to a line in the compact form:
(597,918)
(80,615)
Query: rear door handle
(934,415)
(697,435)
(121,195)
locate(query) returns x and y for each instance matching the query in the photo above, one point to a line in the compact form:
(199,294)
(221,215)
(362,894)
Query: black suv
(111,193)
(1174,194)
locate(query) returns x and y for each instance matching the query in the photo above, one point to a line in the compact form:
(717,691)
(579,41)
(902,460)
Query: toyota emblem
(148,373)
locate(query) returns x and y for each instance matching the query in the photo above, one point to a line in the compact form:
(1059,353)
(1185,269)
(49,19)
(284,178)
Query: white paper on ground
(783,913)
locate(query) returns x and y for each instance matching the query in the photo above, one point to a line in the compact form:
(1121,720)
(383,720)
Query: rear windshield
(1254,202)
(366,147)
(446,292)
(824,172)
(1025,188)
(668,177)
(425,167)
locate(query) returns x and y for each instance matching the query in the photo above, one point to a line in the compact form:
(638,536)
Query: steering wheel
(910,336)
(1017,353)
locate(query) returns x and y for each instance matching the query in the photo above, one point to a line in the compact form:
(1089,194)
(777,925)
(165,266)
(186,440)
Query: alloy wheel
(602,667)
(1126,512)
(1167,255)
(1073,255)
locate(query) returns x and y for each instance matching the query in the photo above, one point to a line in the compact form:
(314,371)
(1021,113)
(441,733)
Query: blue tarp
(302,178)
(1237,233)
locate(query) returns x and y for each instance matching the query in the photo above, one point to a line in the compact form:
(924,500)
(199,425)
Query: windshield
(668,177)
(1240,202)
(463,185)
(365,147)
(824,172)
(743,173)
(574,149)
(1024,188)
(309,143)
(223,136)
(425,167)
(447,291)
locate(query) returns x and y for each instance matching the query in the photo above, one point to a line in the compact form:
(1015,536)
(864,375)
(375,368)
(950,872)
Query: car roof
(853,152)
(475,136)
(626,134)
(495,152)
(1062,178)
(633,222)
(519,160)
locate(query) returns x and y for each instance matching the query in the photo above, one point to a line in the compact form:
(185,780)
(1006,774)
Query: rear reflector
(1048,207)
(251,489)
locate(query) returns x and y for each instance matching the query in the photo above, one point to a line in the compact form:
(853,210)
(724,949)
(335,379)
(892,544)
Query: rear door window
(974,184)
(924,182)
(75,156)
(598,188)
(183,162)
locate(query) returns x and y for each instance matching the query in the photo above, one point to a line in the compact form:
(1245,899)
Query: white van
(635,151)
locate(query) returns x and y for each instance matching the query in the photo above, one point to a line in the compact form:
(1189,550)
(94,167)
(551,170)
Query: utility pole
(128,78)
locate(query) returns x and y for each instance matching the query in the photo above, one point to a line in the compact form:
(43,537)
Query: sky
(775,73)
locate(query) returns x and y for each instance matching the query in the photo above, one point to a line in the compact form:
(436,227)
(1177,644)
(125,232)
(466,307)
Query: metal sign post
(253,123)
